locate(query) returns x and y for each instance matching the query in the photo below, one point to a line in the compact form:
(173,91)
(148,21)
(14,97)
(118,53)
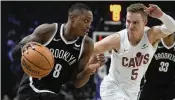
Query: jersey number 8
(57,70)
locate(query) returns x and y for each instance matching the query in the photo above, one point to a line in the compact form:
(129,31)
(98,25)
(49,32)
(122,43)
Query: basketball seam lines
(34,64)
(44,57)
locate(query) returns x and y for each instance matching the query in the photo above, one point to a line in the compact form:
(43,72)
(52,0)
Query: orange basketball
(37,63)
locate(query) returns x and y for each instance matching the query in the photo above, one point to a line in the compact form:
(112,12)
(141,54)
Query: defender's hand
(95,62)
(95,58)
(153,11)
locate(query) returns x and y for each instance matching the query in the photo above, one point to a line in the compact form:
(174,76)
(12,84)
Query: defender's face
(135,24)
(82,23)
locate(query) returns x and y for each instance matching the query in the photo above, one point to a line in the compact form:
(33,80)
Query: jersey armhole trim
(154,47)
(167,47)
(37,90)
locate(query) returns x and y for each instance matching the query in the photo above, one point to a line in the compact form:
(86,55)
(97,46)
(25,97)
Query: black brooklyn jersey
(162,67)
(66,54)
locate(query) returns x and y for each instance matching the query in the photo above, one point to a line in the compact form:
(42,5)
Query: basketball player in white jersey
(132,50)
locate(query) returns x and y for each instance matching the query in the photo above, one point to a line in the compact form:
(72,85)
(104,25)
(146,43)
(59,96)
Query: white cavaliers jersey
(130,63)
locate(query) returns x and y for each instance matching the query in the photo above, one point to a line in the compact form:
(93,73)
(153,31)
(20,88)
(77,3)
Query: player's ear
(72,18)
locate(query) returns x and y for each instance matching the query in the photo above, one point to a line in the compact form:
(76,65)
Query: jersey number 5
(134,74)
(57,70)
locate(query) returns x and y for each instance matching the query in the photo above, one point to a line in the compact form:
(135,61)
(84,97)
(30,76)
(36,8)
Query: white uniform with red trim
(127,68)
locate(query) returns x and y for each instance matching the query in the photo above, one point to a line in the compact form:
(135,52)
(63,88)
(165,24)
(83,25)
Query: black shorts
(29,94)
(157,92)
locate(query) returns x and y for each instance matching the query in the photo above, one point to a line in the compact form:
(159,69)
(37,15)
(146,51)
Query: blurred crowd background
(20,18)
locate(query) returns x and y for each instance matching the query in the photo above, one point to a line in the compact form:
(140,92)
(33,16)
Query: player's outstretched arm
(108,43)
(157,32)
(40,35)
(87,67)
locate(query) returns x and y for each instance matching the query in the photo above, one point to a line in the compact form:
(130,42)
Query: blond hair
(137,8)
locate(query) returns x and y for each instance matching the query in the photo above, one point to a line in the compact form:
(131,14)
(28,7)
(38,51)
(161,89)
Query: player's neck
(68,33)
(169,40)
(134,40)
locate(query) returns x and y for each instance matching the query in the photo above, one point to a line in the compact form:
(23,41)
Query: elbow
(77,86)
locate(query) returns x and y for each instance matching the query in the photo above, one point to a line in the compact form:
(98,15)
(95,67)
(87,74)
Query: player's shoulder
(121,31)
(88,44)
(45,31)
(47,26)
(88,40)
(119,34)
(146,28)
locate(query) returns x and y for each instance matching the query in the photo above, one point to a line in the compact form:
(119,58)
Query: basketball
(37,63)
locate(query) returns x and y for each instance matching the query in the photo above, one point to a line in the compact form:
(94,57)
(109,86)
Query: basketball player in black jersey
(72,50)
(159,80)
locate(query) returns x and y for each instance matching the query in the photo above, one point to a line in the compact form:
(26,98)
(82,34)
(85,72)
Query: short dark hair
(79,7)
(137,8)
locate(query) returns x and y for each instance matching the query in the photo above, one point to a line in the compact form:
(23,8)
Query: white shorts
(111,90)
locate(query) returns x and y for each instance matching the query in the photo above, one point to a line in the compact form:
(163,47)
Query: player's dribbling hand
(153,11)
(28,45)
(95,62)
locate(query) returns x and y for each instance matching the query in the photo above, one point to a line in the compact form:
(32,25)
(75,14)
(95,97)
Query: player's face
(82,23)
(135,24)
